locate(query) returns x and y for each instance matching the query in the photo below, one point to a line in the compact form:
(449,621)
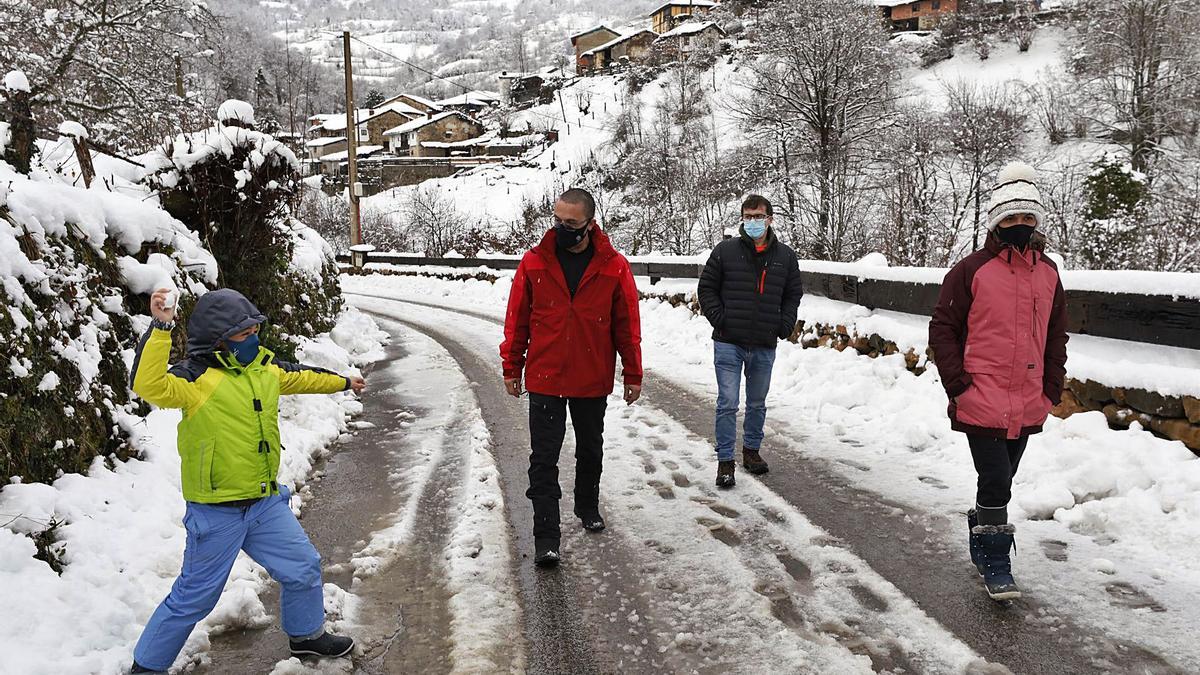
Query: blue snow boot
(995,541)
(976,544)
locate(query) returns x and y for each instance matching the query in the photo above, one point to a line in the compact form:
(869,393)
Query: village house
(334,163)
(471,102)
(585,41)
(370,122)
(324,145)
(418,102)
(680,42)
(631,48)
(919,15)
(676,12)
(407,139)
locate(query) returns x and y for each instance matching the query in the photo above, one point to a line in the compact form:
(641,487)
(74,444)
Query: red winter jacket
(999,338)
(568,347)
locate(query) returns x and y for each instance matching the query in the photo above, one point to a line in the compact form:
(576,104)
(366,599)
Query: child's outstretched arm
(300,379)
(149,377)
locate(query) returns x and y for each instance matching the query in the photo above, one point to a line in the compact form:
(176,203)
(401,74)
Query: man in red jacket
(572,308)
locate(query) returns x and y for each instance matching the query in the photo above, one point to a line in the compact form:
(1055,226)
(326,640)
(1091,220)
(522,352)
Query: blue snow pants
(270,534)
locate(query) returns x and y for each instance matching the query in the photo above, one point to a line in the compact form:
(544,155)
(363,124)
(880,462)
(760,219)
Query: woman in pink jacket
(999,338)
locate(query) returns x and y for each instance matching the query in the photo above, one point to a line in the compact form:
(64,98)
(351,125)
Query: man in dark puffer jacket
(749,292)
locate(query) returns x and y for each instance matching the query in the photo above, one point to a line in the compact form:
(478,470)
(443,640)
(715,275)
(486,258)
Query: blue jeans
(730,361)
(270,534)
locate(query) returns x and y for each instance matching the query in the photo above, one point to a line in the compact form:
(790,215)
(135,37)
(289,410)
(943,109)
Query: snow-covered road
(824,565)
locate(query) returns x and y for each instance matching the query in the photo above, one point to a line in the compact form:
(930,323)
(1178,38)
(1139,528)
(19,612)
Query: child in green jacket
(229,388)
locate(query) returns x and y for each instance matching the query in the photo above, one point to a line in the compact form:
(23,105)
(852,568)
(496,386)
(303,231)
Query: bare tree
(984,129)
(1139,61)
(433,221)
(823,82)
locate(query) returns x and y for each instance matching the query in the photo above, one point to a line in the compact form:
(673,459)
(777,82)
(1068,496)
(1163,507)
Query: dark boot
(138,668)
(546,552)
(753,462)
(975,542)
(591,518)
(725,471)
(995,541)
(325,645)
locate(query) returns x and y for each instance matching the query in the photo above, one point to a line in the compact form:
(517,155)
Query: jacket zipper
(264,447)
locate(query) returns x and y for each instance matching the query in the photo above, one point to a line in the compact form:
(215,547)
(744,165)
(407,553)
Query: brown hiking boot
(725,471)
(753,462)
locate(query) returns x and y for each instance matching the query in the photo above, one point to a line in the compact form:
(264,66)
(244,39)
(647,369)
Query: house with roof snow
(915,14)
(680,42)
(676,12)
(634,47)
(585,41)
(428,136)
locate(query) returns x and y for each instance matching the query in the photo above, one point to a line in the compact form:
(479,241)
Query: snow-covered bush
(236,188)
(72,265)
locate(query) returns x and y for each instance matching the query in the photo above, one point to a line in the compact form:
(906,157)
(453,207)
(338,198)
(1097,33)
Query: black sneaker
(546,552)
(139,668)
(753,462)
(326,645)
(725,471)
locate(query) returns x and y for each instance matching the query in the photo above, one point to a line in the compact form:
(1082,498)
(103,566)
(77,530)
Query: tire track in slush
(907,549)
(577,617)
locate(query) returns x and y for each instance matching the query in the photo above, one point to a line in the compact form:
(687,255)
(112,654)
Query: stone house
(588,40)
(681,42)
(633,48)
(445,127)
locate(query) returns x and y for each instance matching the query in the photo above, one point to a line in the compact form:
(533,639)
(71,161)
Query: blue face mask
(244,351)
(756,228)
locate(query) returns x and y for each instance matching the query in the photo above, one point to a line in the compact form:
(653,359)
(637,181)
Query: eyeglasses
(573,224)
(755,216)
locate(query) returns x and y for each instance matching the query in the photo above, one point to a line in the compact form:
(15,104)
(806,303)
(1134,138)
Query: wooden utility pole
(351,143)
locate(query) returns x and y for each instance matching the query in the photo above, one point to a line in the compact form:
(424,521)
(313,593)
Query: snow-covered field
(1107,520)
(123,537)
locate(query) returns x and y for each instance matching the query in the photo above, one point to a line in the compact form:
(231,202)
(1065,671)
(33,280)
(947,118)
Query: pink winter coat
(999,339)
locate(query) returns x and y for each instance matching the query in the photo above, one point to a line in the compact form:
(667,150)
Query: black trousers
(996,461)
(547,428)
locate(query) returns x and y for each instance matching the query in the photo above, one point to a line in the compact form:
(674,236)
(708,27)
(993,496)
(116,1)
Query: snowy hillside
(465,41)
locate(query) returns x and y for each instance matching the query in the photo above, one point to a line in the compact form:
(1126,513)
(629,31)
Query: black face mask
(1017,235)
(569,237)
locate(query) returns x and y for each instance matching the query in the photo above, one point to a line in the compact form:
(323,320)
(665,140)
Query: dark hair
(581,196)
(755,201)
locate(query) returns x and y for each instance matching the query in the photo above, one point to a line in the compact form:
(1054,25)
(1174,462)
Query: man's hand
(158,310)
(357,384)
(632,393)
(513,386)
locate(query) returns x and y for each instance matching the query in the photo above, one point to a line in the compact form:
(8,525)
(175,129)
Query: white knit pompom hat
(1015,192)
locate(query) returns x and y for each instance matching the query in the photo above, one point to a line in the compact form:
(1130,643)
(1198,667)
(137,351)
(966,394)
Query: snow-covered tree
(984,130)
(112,65)
(1139,63)
(822,88)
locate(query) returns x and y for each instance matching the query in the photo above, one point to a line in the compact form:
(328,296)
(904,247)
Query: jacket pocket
(984,403)
(205,478)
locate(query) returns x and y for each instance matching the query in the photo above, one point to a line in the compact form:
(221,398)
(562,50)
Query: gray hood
(217,315)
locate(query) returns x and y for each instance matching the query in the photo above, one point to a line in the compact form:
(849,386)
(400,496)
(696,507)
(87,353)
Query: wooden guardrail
(1153,319)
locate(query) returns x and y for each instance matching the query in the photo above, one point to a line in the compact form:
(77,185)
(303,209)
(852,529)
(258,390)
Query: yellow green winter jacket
(229,435)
